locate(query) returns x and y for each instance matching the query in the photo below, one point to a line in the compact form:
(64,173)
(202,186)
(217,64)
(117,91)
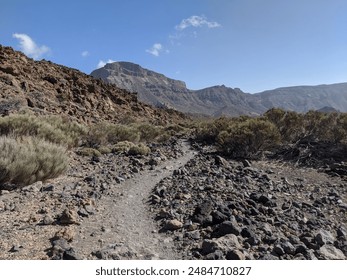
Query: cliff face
(45,87)
(158,90)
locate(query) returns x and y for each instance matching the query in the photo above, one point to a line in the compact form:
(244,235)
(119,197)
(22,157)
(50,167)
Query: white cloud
(29,47)
(85,53)
(103,63)
(155,49)
(197,21)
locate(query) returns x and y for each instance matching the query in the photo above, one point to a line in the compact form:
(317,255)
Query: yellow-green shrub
(50,128)
(26,160)
(107,133)
(148,132)
(88,152)
(208,131)
(122,147)
(104,150)
(131,148)
(247,138)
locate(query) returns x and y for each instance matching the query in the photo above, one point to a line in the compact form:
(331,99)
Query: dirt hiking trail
(123,227)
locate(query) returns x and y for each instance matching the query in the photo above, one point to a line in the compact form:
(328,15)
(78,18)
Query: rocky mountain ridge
(158,90)
(45,87)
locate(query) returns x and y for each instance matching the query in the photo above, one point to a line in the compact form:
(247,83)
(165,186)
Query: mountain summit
(152,88)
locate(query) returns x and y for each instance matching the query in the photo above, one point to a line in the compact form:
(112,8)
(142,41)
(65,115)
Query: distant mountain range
(158,90)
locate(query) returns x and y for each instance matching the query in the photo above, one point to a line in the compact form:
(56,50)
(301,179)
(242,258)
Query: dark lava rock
(70,255)
(226,227)
(202,214)
(219,217)
(268,256)
(278,250)
(235,255)
(288,248)
(62,250)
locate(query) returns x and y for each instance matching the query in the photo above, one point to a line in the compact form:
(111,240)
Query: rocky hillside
(45,87)
(215,208)
(156,89)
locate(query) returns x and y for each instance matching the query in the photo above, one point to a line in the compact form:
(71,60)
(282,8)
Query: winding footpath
(123,227)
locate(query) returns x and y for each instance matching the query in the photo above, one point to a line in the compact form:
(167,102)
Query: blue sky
(251,44)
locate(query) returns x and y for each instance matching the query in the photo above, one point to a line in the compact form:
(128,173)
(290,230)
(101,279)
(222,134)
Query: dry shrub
(139,149)
(89,152)
(105,133)
(148,132)
(50,128)
(122,147)
(26,160)
(131,148)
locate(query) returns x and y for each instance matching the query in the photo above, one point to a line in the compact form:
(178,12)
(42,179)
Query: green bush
(208,131)
(312,126)
(26,160)
(326,127)
(289,124)
(247,138)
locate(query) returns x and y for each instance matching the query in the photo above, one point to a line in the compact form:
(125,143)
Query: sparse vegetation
(26,160)
(246,137)
(311,127)
(51,128)
(108,134)
(148,132)
(105,133)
